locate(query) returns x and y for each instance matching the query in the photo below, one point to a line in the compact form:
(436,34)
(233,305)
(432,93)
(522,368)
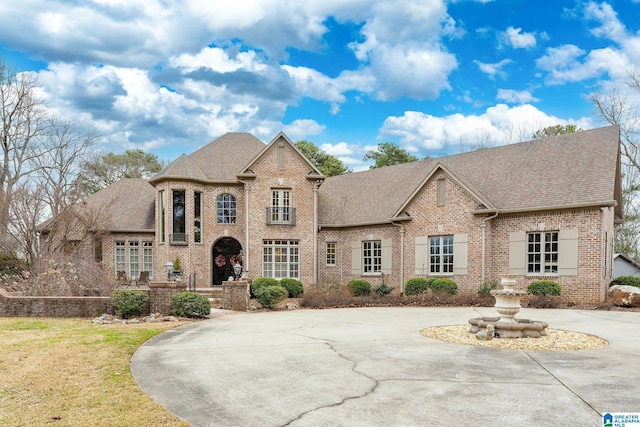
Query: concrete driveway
(371,367)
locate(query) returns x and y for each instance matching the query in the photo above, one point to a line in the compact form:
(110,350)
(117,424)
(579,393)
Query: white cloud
(402,47)
(518,40)
(515,96)
(302,129)
(493,70)
(500,124)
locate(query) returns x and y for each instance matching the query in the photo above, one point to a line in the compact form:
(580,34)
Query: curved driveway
(371,367)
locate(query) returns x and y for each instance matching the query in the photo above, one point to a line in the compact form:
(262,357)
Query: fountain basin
(517,328)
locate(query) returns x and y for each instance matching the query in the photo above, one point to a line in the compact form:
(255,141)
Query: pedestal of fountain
(507,326)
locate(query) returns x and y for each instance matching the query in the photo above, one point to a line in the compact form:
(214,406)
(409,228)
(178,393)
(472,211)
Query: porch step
(210,292)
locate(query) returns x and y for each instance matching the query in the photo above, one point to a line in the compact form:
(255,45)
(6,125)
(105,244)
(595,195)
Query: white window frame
(226,209)
(134,259)
(543,253)
(281,258)
(147,258)
(441,255)
(331,253)
(280,206)
(120,258)
(371,257)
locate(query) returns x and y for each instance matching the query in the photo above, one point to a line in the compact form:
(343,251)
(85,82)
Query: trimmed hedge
(626,281)
(359,287)
(127,303)
(190,304)
(416,286)
(271,296)
(293,287)
(444,285)
(261,282)
(419,285)
(543,288)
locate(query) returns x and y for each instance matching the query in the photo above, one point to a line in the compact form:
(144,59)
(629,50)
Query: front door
(225,254)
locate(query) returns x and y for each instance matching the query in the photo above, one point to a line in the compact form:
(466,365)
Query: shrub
(262,281)
(543,288)
(383,289)
(626,281)
(190,304)
(443,285)
(293,287)
(487,287)
(271,296)
(128,303)
(359,287)
(416,286)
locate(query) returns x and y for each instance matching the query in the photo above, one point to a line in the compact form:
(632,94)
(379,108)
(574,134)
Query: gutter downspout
(402,233)
(483,227)
(315,233)
(245,268)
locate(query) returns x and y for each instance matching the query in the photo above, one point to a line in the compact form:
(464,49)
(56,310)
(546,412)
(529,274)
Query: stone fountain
(506,325)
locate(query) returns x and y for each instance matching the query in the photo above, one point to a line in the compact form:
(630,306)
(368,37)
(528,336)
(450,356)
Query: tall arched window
(226,209)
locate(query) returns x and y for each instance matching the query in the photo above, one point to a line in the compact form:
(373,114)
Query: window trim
(271,266)
(331,249)
(371,252)
(445,255)
(232,208)
(543,253)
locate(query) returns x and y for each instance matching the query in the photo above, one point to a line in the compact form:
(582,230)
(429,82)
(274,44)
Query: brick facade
(443,206)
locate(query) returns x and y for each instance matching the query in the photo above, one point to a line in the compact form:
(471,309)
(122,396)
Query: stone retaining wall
(21,306)
(12,305)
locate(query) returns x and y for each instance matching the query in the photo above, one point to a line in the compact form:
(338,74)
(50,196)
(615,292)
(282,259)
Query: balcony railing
(281,216)
(178,239)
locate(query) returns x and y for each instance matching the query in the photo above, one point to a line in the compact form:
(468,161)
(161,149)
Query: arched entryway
(224,255)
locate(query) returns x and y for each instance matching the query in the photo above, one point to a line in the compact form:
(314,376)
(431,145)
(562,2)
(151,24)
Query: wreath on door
(235,259)
(220,261)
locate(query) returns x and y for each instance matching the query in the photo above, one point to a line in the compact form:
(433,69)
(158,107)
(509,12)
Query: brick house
(543,209)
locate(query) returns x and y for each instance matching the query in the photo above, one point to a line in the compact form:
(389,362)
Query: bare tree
(21,114)
(64,148)
(28,209)
(620,106)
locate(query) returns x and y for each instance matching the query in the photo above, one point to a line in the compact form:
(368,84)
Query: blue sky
(436,77)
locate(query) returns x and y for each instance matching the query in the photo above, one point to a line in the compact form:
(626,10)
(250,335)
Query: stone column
(235,295)
(160,294)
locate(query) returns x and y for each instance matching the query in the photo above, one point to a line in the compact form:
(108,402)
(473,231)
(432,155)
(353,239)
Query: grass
(71,372)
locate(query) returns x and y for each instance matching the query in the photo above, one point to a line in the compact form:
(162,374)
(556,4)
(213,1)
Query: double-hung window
(542,252)
(134,260)
(280,207)
(226,209)
(147,257)
(441,254)
(281,258)
(120,259)
(372,256)
(331,253)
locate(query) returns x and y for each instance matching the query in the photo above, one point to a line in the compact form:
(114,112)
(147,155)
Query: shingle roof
(218,161)
(127,205)
(562,171)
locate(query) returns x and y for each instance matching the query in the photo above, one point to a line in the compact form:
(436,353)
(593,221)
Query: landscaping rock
(625,296)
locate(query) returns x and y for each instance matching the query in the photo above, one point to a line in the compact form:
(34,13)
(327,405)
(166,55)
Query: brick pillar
(160,294)
(235,295)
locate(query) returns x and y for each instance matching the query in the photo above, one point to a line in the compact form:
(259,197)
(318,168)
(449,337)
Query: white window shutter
(356,258)
(460,250)
(517,253)
(387,256)
(568,252)
(422,255)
